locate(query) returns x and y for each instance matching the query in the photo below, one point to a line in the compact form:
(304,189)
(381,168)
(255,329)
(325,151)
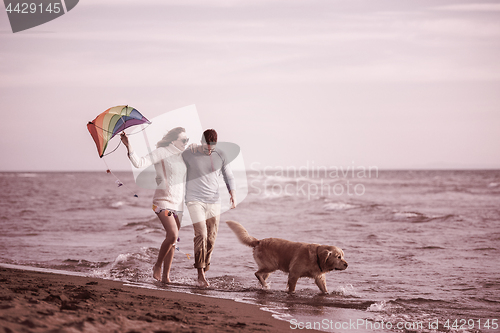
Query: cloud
(461,28)
(471,7)
(169,44)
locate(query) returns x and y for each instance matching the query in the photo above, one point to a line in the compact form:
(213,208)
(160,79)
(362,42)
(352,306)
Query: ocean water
(422,246)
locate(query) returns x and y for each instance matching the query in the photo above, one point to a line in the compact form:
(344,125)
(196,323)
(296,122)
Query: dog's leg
(262,275)
(321,283)
(265,276)
(292,282)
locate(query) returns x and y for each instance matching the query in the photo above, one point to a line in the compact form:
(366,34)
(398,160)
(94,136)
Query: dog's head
(331,258)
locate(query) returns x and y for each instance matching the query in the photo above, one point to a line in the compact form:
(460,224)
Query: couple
(193,172)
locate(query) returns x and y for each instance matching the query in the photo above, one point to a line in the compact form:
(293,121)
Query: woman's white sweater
(170,175)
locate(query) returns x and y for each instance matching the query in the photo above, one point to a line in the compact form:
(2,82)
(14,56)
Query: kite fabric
(111,122)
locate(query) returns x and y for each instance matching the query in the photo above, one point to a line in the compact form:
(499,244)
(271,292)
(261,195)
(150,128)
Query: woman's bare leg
(169,257)
(167,263)
(170,226)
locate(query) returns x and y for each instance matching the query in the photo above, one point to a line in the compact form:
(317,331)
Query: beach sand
(32,301)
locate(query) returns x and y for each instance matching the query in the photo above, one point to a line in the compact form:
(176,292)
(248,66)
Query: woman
(168,199)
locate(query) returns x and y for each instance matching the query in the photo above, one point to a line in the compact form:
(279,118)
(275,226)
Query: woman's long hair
(170,137)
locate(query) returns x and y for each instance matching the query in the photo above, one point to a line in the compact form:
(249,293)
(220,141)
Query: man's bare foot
(202,281)
(157,272)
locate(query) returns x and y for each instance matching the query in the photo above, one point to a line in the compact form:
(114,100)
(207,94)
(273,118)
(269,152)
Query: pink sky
(393,84)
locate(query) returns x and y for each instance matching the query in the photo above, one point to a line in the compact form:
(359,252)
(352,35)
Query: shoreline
(35,301)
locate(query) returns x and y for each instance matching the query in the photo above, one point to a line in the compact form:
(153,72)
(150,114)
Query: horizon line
(275,169)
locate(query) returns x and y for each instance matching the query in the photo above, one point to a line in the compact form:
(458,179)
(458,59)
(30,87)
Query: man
(204,165)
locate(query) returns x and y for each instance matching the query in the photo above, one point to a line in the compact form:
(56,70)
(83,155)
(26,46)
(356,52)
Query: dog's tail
(242,234)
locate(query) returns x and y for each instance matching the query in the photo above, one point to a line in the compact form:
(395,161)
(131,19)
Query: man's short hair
(209,136)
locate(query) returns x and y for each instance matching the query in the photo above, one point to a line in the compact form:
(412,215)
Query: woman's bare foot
(157,272)
(202,281)
(166,280)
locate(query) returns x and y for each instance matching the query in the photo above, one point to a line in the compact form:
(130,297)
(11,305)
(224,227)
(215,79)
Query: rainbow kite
(111,122)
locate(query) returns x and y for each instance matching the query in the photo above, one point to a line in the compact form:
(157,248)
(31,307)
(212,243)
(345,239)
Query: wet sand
(33,301)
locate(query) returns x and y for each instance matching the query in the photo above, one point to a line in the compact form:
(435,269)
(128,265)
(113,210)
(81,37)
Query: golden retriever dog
(296,259)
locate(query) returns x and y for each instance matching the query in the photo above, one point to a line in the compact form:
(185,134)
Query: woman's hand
(193,147)
(124,138)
